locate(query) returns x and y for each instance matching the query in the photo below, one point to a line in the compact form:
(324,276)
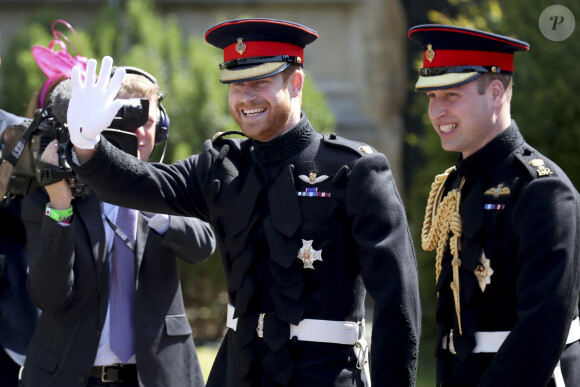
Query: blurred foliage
(187,70)
(543,105)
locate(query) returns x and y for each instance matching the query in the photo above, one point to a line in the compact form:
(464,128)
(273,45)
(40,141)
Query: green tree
(187,69)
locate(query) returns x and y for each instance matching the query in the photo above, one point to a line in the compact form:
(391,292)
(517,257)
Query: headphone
(162,126)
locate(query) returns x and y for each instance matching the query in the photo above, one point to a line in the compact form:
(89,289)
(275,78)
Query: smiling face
(265,108)
(464,119)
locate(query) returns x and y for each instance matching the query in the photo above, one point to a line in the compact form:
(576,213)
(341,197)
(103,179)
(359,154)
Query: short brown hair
(138,86)
(486,78)
(289,70)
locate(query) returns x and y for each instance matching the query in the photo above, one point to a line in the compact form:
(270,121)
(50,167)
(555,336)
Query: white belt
(490,342)
(321,331)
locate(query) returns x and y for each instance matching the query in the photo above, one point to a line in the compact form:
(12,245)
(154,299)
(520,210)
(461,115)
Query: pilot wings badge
(498,191)
(313,178)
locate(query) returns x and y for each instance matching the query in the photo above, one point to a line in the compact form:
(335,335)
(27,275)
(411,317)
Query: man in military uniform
(504,221)
(305,223)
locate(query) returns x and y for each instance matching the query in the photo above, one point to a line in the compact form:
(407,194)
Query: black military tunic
(266,201)
(521,212)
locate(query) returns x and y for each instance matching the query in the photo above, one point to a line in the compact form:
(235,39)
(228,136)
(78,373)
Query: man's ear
(295,83)
(497,91)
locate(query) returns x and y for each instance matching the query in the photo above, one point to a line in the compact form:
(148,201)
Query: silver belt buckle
(260,328)
(104,374)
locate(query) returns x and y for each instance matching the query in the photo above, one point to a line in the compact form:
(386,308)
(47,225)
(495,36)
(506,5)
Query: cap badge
(498,191)
(308,255)
(483,272)
(240,46)
(430,54)
(312,178)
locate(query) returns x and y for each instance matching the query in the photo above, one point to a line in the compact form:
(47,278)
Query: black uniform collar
(492,153)
(285,145)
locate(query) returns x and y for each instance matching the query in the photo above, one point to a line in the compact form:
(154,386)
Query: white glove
(92,106)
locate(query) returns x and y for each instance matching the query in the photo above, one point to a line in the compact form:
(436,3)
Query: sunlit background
(360,73)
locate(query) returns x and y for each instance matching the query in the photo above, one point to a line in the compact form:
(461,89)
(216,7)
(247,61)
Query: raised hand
(92,106)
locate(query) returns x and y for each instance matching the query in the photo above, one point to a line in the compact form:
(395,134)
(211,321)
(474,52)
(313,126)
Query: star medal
(308,255)
(483,272)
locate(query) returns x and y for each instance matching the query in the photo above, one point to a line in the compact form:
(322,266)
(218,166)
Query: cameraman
(18,315)
(74,276)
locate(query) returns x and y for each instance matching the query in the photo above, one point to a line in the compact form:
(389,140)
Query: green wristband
(59,215)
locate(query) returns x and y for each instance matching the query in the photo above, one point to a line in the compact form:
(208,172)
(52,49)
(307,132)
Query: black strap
(120,233)
(16,152)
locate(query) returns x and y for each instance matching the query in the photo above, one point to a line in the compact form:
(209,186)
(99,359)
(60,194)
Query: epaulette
(220,135)
(360,148)
(535,164)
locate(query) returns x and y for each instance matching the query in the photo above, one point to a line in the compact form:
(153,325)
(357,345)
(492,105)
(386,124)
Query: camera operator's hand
(59,193)
(92,106)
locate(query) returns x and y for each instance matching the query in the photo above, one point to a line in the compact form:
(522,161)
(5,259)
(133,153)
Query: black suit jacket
(520,211)
(69,281)
(18,315)
(251,194)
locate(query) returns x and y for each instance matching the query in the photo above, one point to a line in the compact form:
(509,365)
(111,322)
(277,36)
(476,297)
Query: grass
(206,355)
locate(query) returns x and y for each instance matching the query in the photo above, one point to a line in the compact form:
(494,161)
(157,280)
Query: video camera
(29,172)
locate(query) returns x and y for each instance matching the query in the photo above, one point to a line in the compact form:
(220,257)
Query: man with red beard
(305,223)
(504,221)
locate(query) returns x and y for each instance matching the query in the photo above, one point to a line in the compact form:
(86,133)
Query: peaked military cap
(453,56)
(259,48)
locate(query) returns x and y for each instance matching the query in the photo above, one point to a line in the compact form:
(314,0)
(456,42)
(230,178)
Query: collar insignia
(498,191)
(430,54)
(312,178)
(541,168)
(240,46)
(308,255)
(366,149)
(483,272)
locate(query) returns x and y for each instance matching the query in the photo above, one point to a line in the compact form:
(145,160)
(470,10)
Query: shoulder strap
(360,148)
(536,164)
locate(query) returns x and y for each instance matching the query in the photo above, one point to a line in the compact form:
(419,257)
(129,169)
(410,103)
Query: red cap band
(448,58)
(258,48)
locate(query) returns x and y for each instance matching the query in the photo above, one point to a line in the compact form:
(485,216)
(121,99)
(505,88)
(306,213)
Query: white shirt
(159,223)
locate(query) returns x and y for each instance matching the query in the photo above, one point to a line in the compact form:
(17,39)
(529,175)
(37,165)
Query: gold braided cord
(441,218)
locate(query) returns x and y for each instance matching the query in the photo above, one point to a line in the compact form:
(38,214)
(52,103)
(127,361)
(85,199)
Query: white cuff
(82,142)
(159,222)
